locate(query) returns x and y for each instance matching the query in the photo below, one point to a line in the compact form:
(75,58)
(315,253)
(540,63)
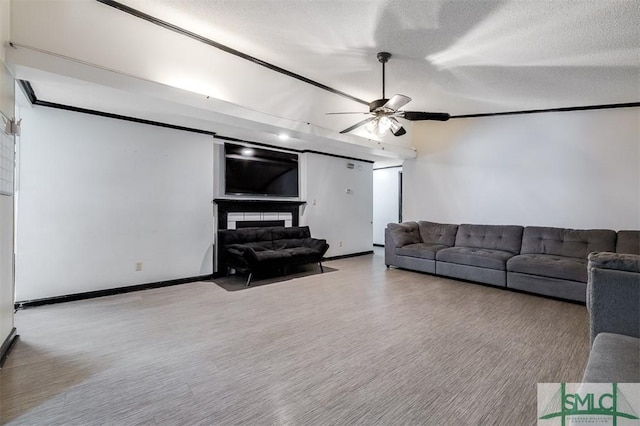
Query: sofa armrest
(613,294)
(249,255)
(233,256)
(617,261)
(404,233)
(317,244)
(237,249)
(389,248)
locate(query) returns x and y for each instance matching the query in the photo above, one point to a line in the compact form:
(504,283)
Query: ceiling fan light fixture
(396,127)
(384,123)
(379,126)
(371,126)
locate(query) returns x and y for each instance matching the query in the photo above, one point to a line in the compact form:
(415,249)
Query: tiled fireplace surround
(238,219)
(231,213)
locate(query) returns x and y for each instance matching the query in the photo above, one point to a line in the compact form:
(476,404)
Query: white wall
(343,219)
(576,169)
(98,195)
(386,202)
(7,96)
(6,251)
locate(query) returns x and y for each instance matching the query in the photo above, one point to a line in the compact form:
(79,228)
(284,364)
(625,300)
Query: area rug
(239,281)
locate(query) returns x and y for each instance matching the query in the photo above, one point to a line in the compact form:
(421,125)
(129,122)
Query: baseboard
(8,345)
(108,292)
(344,256)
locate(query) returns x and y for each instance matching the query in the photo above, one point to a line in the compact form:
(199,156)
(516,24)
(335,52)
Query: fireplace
(231,213)
(258,223)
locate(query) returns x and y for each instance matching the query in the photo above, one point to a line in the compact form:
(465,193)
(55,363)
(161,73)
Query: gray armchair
(613,301)
(613,294)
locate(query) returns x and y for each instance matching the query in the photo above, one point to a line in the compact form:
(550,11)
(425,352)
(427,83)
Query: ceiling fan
(384,111)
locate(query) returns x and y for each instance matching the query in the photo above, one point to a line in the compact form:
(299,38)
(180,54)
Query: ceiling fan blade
(396,127)
(396,102)
(355,126)
(340,113)
(418,116)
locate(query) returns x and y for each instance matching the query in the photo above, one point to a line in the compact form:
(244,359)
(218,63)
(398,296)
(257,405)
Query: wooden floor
(361,345)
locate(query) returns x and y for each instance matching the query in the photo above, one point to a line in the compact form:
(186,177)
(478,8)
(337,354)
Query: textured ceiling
(456,56)
(463,57)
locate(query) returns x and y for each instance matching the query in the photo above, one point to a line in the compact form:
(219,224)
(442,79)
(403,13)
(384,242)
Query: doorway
(387,200)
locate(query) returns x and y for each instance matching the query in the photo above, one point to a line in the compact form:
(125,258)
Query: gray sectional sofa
(542,260)
(613,301)
(480,253)
(553,261)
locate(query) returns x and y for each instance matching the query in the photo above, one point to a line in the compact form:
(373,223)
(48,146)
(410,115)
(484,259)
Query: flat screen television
(260,172)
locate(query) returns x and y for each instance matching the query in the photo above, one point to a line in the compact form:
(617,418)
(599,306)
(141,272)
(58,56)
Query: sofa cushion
(547,265)
(287,243)
(421,250)
(303,255)
(437,233)
(470,256)
(547,286)
(260,245)
(566,242)
(292,232)
(301,251)
(628,242)
(404,233)
(244,235)
(267,257)
(493,237)
(257,246)
(613,359)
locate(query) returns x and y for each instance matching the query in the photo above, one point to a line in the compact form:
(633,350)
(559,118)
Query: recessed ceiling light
(283,136)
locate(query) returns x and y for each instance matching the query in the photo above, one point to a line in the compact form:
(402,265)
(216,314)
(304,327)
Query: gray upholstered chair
(613,301)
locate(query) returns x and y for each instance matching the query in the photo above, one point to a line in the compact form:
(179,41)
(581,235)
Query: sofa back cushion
(494,237)
(256,246)
(567,242)
(628,242)
(291,237)
(437,233)
(244,235)
(298,232)
(287,243)
(404,233)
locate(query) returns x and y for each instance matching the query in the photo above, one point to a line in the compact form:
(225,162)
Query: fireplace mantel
(253,202)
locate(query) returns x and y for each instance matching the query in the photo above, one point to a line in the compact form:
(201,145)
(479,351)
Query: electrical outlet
(340,245)
(138,266)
